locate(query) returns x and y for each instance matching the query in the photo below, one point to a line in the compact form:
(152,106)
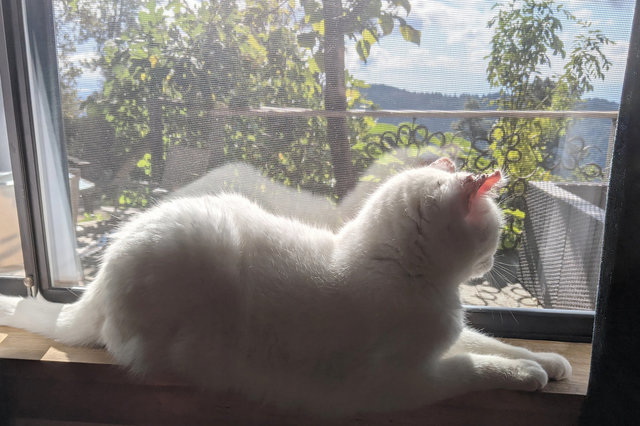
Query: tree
(78,22)
(169,74)
(526,37)
(325,25)
(178,62)
(526,33)
(168,64)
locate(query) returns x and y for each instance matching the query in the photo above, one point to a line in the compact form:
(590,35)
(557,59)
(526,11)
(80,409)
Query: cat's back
(193,267)
(224,232)
(276,198)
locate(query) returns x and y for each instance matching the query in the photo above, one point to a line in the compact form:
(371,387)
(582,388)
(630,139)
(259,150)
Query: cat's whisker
(475,288)
(502,202)
(490,277)
(505,269)
(504,274)
(495,278)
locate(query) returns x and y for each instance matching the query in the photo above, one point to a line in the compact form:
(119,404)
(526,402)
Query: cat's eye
(111,107)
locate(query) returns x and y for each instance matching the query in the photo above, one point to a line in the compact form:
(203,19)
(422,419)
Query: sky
(455,40)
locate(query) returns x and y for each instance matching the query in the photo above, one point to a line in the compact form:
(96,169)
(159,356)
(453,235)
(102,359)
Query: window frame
(551,324)
(612,395)
(15,88)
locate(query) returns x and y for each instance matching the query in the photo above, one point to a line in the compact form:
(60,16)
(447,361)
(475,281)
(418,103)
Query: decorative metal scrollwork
(520,159)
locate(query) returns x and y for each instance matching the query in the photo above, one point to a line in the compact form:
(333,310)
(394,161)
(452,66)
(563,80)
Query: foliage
(526,38)
(90,217)
(78,22)
(363,21)
(168,64)
(175,62)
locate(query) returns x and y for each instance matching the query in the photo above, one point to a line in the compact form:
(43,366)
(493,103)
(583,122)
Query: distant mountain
(388,97)
(595,132)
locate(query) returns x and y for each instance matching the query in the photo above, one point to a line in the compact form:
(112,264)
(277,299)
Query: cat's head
(448,220)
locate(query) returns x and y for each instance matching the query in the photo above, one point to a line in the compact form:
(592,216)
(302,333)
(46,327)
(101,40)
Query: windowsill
(86,387)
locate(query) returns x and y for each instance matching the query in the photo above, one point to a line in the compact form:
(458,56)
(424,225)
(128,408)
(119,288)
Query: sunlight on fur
(355,312)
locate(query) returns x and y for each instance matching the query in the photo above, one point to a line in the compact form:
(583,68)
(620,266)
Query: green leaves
(404,4)
(386,23)
(307,40)
(138,51)
(369,36)
(169,63)
(316,63)
(526,36)
(362,21)
(410,34)
(363,48)
(255,49)
(318,27)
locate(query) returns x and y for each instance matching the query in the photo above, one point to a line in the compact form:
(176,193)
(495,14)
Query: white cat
(227,296)
(312,209)
(274,197)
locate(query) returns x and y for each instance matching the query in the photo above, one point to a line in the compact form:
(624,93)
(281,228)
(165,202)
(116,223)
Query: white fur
(312,209)
(229,296)
(281,200)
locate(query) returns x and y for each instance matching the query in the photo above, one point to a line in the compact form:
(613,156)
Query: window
(138,101)
(11,262)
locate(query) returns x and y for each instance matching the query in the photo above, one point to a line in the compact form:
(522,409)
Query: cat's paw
(556,366)
(529,375)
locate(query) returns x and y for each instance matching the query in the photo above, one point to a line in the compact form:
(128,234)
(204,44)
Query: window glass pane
(11,263)
(166,98)
(57,181)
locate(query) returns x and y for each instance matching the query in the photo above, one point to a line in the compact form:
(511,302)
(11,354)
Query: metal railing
(503,134)
(304,112)
(515,141)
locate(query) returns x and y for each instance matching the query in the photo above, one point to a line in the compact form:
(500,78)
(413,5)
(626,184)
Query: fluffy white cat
(313,209)
(276,198)
(226,295)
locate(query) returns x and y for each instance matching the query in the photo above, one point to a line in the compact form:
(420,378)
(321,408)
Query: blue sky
(455,40)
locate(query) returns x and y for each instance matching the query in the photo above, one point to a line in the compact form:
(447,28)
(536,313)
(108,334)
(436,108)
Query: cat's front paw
(556,366)
(529,375)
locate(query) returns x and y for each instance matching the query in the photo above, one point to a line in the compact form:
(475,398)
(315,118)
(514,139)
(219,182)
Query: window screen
(307,106)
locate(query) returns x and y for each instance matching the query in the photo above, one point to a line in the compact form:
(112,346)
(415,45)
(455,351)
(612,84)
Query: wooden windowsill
(46,380)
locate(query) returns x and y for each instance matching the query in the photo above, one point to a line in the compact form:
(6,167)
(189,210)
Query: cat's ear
(445,164)
(475,186)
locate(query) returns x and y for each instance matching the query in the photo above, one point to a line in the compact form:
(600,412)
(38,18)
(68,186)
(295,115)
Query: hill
(595,132)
